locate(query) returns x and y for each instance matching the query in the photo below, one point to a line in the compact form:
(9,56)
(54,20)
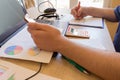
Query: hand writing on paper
(78,12)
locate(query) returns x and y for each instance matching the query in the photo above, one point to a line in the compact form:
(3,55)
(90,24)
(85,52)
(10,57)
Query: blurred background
(68,4)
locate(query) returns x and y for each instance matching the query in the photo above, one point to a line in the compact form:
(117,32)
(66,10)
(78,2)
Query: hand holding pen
(75,10)
(78,11)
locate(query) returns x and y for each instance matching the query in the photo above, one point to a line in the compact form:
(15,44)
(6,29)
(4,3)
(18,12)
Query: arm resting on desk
(102,63)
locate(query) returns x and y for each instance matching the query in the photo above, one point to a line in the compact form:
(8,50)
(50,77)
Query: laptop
(15,40)
(11,16)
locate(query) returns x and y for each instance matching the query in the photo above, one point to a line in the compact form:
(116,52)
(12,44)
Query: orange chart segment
(33,51)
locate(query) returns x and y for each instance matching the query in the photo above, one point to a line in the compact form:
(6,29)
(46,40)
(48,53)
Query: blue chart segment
(13,50)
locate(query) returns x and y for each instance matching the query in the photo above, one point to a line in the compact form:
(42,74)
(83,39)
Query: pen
(11,77)
(77,10)
(80,68)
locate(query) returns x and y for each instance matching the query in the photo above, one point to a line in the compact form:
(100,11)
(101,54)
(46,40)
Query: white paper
(89,43)
(22,46)
(33,12)
(5,72)
(88,22)
(21,73)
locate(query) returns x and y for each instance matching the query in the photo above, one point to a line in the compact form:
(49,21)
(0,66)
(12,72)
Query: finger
(79,12)
(35,32)
(80,17)
(75,16)
(78,6)
(73,12)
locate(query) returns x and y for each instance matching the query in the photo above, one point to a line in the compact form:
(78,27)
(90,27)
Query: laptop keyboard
(50,22)
(62,26)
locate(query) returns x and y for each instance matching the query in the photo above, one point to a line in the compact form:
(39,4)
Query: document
(88,22)
(89,43)
(22,46)
(33,12)
(5,72)
(10,71)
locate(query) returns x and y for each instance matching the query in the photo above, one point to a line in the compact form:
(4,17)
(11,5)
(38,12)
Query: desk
(60,68)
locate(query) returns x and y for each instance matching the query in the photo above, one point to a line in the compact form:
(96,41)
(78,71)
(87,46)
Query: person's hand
(46,37)
(78,12)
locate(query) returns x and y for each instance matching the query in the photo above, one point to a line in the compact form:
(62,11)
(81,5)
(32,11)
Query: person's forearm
(107,13)
(102,63)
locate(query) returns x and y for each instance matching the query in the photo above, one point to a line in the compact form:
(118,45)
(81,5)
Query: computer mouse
(50,10)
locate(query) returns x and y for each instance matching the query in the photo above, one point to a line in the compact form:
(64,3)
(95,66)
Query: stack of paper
(9,71)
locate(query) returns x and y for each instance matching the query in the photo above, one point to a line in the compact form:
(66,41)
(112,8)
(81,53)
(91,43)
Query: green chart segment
(13,50)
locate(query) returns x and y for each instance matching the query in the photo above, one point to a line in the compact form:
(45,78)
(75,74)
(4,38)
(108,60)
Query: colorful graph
(13,50)
(33,51)
(2,71)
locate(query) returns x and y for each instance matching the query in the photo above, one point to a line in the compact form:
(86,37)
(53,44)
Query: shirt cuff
(117,12)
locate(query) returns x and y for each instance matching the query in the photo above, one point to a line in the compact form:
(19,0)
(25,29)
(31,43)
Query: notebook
(15,40)
(88,21)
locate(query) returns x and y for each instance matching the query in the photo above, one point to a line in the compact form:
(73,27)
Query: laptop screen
(11,18)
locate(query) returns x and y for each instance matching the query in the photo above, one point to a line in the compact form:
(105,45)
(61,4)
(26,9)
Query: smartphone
(28,19)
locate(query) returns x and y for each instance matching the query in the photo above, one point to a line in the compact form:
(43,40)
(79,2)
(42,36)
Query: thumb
(79,12)
(78,6)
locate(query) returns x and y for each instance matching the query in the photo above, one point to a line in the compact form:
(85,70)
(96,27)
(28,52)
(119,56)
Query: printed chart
(33,51)
(22,46)
(6,73)
(13,50)
(2,70)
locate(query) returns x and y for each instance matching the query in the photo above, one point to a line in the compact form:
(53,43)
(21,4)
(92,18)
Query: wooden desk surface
(60,68)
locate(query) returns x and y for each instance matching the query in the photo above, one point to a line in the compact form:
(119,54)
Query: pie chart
(2,71)
(33,51)
(13,50)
